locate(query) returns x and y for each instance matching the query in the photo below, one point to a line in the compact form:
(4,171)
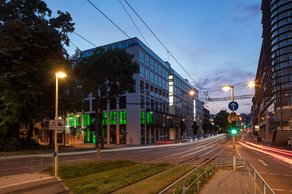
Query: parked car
(188,139)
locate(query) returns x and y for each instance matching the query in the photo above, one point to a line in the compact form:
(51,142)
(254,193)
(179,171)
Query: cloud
(245,14)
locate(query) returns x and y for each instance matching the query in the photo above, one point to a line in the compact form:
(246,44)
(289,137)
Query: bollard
(98,153)
(198,185)
(184,186)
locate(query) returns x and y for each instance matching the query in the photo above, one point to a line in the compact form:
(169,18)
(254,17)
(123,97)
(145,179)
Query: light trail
(279,157)
(286,152)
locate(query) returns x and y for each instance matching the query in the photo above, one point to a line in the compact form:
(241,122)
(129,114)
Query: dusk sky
(217,41)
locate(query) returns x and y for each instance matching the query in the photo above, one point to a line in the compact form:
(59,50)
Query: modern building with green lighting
(150,114)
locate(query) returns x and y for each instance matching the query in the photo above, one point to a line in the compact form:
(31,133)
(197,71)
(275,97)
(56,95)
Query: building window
(149,117)
(71,120)
(104,118)
(113,104)
(86,120)
(142,117)
(122,102)
(113,118)
(78,120)
(123,117)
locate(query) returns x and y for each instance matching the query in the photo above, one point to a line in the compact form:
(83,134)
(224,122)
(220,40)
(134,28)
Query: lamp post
(58,75)
(227,88)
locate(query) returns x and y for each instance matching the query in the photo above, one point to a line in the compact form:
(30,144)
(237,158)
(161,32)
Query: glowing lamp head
(226,88)
(192,93)
(61,74)
(251,84)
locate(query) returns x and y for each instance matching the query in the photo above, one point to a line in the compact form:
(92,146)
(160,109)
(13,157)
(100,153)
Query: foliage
(31,50)
(207,127)
(221,121)
(106,74)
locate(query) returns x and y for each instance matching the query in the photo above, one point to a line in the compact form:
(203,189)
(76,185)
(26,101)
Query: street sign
(232,117)
(57,124)
(233,105)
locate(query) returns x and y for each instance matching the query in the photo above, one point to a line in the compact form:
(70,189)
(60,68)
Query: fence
(194,180)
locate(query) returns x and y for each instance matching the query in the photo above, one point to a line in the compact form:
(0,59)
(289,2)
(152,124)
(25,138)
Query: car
(188,139)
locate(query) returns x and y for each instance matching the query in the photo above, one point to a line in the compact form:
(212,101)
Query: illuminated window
(123,117)
(88,136)
(113,118)
(104,118)
(78,120)
(86,119)
(142,117)
(149,117)
(71,120)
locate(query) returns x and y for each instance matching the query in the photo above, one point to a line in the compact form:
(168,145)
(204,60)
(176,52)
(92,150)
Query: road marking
(278,189)
(261,161)
(287,174)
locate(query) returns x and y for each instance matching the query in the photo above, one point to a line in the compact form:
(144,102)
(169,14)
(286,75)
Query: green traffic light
(233,131)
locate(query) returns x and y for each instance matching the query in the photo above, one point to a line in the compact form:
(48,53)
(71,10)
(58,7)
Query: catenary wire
(169,52)
(108,19)
(134,24)
(85,39)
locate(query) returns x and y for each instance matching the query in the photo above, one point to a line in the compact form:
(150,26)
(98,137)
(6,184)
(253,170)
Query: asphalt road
(276,173)
(194,153)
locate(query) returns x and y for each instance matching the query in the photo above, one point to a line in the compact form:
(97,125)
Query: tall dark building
(272,103)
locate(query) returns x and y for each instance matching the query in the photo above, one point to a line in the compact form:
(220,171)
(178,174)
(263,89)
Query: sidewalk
(226,182)
(31,183)
(14,180)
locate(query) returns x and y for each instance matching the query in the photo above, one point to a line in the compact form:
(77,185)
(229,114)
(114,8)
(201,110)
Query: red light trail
(264,149)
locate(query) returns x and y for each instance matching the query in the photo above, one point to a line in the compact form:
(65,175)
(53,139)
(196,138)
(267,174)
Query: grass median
(106,176)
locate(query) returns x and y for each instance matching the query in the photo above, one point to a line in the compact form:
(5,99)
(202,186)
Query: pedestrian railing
(257,182)
(193,181)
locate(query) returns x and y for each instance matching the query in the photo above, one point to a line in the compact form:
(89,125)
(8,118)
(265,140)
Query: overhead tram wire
(168,51)
(108,19)
(134,24)
(85,39)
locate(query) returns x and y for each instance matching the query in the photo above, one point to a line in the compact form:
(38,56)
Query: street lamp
(58,75)
(233,131)
(251,84)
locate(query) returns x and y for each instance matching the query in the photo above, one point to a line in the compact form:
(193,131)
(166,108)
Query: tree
(207,127)
(31,50)
(195,127)
(182,128)
(107,74)
(221,121)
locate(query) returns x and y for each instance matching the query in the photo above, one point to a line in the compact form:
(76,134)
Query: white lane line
(261,161)
(274,189)
(287,175)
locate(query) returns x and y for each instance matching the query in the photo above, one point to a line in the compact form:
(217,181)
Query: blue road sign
(233,105)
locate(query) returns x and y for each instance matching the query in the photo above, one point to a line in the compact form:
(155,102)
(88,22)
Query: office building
(152,112)
(272,103)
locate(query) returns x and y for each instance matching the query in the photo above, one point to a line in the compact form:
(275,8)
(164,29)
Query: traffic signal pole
(233,138)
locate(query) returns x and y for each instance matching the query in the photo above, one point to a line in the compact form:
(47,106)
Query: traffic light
(233,129)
